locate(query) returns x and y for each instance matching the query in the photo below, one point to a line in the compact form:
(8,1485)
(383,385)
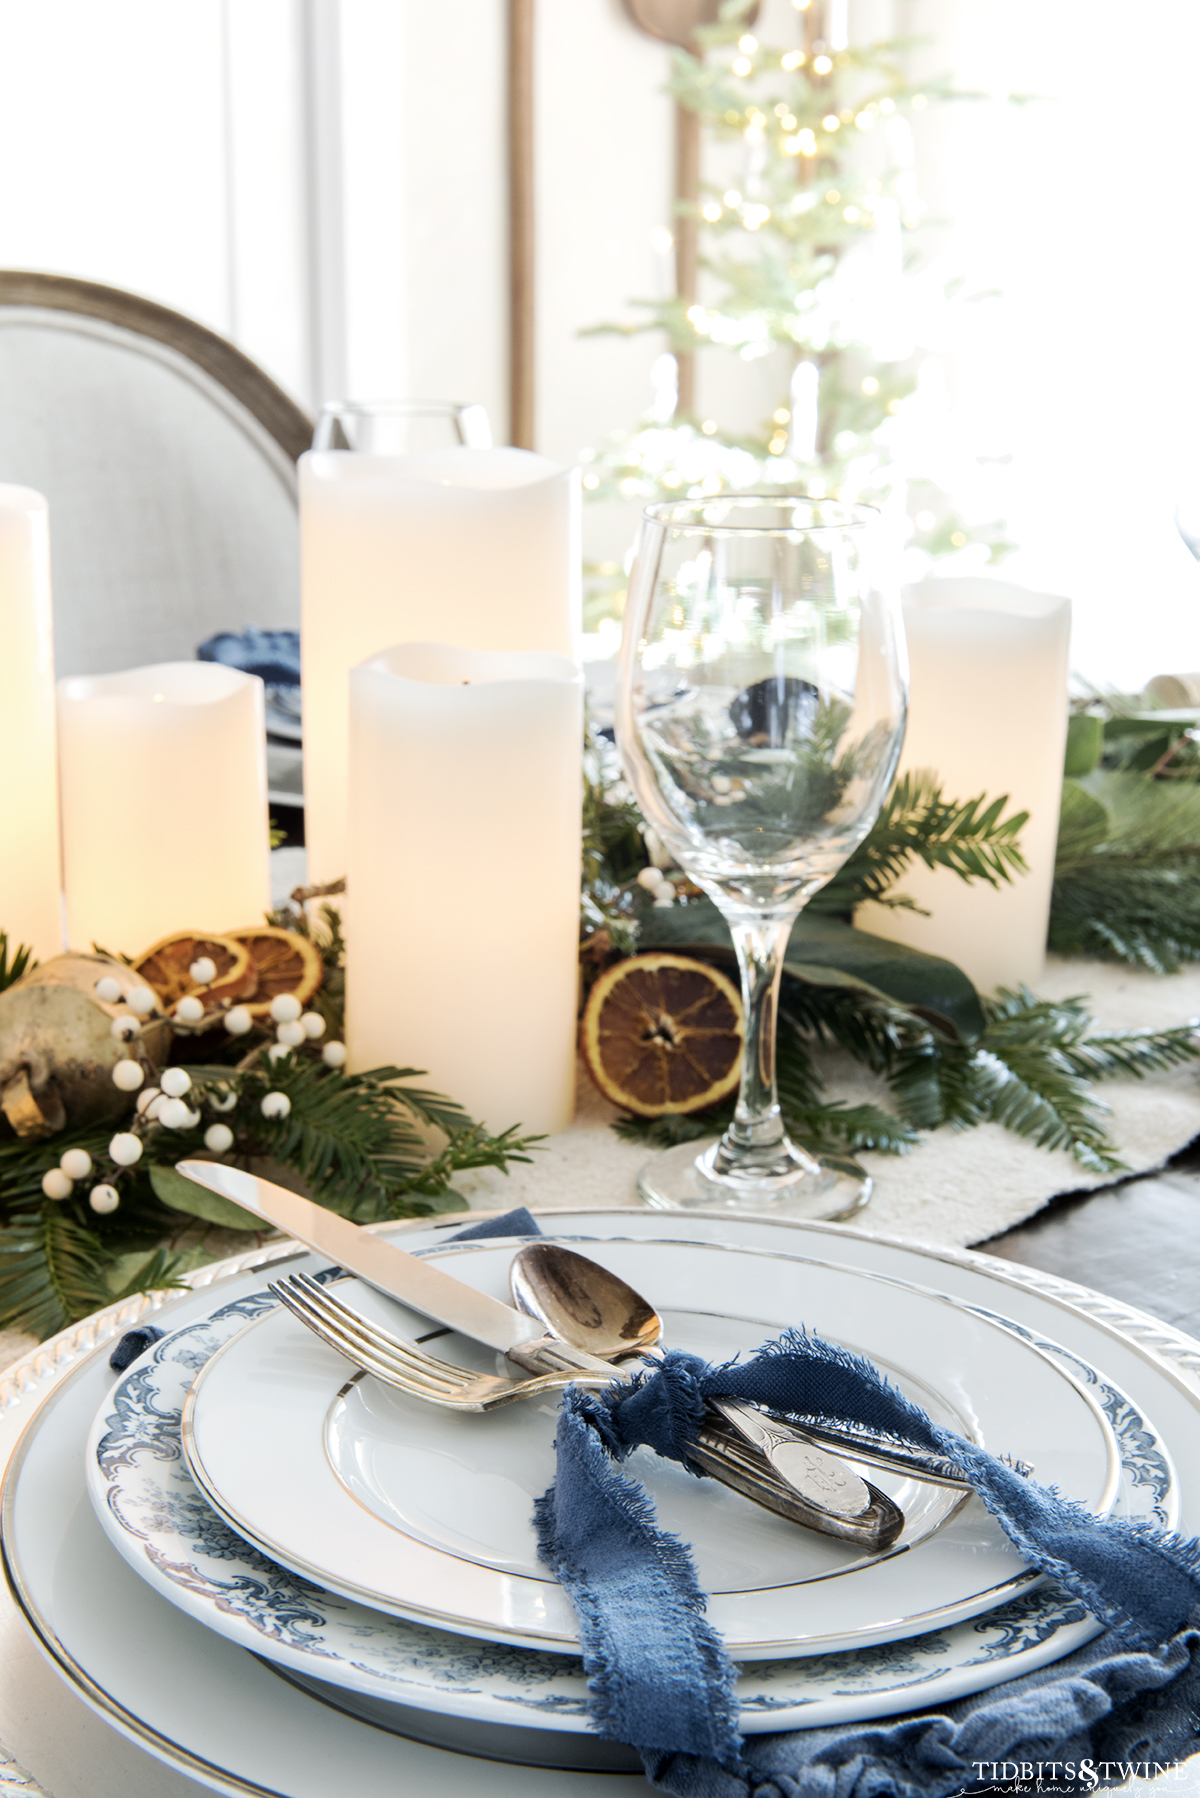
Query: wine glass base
(671,1181)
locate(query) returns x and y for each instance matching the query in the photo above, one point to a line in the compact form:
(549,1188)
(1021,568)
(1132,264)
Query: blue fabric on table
(659,1678)
(273,655)
(518,1222)
(132,1344)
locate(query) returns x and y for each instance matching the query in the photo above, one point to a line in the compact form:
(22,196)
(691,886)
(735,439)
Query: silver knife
(424,1287)
(394,1272)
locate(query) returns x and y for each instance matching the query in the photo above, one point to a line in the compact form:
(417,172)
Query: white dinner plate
(203,1706)
(418,1511)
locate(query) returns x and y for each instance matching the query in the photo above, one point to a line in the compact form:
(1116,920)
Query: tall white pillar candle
(463,877)
(30,882)
(164,803)
(476,548)
(988,714)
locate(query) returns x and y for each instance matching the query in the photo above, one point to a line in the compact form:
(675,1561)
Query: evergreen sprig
(971,837)
(1127,872)
(1032,1071)
(21,962)
(371,1145)
(49,1275)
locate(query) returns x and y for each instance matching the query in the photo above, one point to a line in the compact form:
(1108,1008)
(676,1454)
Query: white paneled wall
(325,182)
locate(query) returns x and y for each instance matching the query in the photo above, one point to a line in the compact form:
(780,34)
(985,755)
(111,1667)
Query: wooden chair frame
(279,415)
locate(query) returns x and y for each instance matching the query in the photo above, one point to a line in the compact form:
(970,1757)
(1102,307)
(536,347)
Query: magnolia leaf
(827,952)
(181,1194)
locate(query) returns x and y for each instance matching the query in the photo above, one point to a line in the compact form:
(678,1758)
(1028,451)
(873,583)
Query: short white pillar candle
(463,879)
(475,548)
(30,880)
(988,714)
(164,803)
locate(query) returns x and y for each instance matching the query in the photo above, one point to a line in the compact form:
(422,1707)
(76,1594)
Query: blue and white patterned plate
(171,1536)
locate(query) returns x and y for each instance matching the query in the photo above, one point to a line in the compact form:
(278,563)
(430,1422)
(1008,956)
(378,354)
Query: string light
(869,385)
(887,106)
(754,216)
(733,198)
(591,480)
(795,59)
(851,215)
(741,65)
(801,5)
(833,196)
(712,212)
(781,415)
(709,427)
(748,44)
(822,64)
(831,121)
(958,538)
(864,120)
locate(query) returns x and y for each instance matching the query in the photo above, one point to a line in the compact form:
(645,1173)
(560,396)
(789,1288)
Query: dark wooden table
(1138,1241)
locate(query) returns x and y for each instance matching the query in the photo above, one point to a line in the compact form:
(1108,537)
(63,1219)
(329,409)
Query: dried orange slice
(283,962)
(663,1033)
(166,967)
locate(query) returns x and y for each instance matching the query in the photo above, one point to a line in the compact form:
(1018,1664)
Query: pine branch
(868,1028)
(1134,1053)
(467,1150)
(22,961)
(970,837)
(48,1276)
(1033,1093)
(1127,871)
(933,1083)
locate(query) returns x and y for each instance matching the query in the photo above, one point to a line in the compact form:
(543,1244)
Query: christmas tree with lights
(803,220)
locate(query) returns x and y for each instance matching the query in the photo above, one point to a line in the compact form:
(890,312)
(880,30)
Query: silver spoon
(584,1304)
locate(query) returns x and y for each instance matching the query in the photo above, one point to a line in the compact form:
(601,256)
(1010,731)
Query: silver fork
(718,1448)
(397,1363)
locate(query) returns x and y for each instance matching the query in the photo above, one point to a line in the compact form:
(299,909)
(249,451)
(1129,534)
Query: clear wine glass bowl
(760,715)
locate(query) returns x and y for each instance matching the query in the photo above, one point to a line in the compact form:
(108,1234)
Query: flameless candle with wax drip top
(988,714)
(164,803)
(462,898)
(30,881)
(476,548)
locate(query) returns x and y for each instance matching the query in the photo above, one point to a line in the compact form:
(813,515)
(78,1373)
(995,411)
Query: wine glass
(760,715)
(400,427)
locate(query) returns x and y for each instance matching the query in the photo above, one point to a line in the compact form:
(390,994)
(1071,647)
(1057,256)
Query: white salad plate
(199,1703)
(412,1509)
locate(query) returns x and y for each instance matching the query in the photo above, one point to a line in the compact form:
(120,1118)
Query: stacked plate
(375,1555)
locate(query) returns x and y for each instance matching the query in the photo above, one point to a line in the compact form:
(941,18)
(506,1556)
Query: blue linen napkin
(273,655)
(659,1677)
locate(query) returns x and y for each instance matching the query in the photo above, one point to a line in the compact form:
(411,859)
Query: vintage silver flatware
(397,1363)
(588,1305)
(426,1288)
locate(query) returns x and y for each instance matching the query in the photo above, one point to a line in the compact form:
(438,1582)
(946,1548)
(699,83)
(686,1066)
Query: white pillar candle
(476,548)
(30,881)
(988,714)
(463,879)
(164,803)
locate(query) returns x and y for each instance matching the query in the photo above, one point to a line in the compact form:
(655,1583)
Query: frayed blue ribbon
(659,1677)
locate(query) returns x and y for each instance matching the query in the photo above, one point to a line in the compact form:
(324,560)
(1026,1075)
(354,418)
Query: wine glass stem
(760,944)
